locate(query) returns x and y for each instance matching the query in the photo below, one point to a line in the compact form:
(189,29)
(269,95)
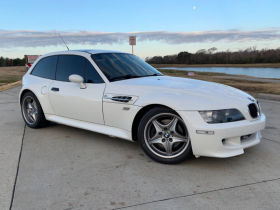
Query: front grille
(253,110)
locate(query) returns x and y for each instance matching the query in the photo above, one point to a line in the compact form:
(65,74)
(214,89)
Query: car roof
(89,51)
(99,51)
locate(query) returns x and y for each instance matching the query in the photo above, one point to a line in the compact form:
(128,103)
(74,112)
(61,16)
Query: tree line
(202,56)
(212,56)
(12,61)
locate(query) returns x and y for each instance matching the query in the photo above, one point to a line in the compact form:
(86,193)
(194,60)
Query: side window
(70,64)
(92,75)
(46,67)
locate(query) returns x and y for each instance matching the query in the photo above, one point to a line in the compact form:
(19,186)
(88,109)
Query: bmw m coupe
(120,95)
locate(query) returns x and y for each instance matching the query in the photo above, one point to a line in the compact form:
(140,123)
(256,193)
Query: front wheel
(163,136)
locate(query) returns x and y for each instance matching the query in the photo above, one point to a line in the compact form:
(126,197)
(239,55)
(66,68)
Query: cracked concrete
(68,168)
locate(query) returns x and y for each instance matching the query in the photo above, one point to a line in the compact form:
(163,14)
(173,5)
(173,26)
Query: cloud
(25,38)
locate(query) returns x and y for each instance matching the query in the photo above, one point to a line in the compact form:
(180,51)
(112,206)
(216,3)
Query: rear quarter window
(45,68)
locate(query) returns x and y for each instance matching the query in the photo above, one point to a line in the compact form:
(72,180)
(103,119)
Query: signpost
(30,59)
(132,42)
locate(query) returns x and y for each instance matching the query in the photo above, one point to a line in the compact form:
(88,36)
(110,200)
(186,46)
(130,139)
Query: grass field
(10,75)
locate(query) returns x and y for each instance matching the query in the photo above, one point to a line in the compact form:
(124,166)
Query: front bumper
(228,139)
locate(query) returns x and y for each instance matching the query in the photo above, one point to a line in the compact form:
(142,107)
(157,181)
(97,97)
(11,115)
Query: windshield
(119,66)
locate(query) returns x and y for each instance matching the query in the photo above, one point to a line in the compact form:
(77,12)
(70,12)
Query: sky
(161,27)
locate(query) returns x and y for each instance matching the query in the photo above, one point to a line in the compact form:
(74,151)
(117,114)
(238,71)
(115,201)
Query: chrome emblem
(166,135)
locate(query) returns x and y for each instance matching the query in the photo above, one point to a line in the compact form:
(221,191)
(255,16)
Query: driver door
(68,99)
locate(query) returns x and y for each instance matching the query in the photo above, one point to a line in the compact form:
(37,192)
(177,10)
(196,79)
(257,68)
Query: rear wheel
(32,112)
(163,136)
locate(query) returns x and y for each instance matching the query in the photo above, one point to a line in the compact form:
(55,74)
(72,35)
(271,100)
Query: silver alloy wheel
(166,135)
(29,109)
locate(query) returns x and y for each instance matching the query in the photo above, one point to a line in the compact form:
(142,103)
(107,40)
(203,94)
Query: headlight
(221,116)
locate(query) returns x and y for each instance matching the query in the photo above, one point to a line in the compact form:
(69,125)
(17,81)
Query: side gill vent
(123,99)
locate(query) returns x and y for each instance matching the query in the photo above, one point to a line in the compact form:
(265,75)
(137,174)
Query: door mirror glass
(77,79)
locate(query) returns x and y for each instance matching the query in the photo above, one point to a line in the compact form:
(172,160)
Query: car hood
(184,92)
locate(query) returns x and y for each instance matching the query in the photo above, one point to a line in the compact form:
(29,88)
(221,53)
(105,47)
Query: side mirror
(77,79)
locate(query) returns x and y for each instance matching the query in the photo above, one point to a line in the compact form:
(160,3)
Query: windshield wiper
(127,76)
(151,75)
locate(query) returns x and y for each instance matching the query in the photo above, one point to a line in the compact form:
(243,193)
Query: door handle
(55,89)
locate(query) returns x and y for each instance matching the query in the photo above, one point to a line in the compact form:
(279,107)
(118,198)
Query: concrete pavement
(68,168)
(11,134)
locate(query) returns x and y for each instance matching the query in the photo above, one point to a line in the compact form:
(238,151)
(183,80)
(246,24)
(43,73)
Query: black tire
(157,150)
(39,120)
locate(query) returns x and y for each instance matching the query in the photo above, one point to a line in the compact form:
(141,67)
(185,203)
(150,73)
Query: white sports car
(120,95)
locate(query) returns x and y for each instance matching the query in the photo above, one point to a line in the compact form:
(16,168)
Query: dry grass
(11,76)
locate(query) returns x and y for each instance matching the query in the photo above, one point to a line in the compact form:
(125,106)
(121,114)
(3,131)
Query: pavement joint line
(19,158)
(199,193)
(277,142)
